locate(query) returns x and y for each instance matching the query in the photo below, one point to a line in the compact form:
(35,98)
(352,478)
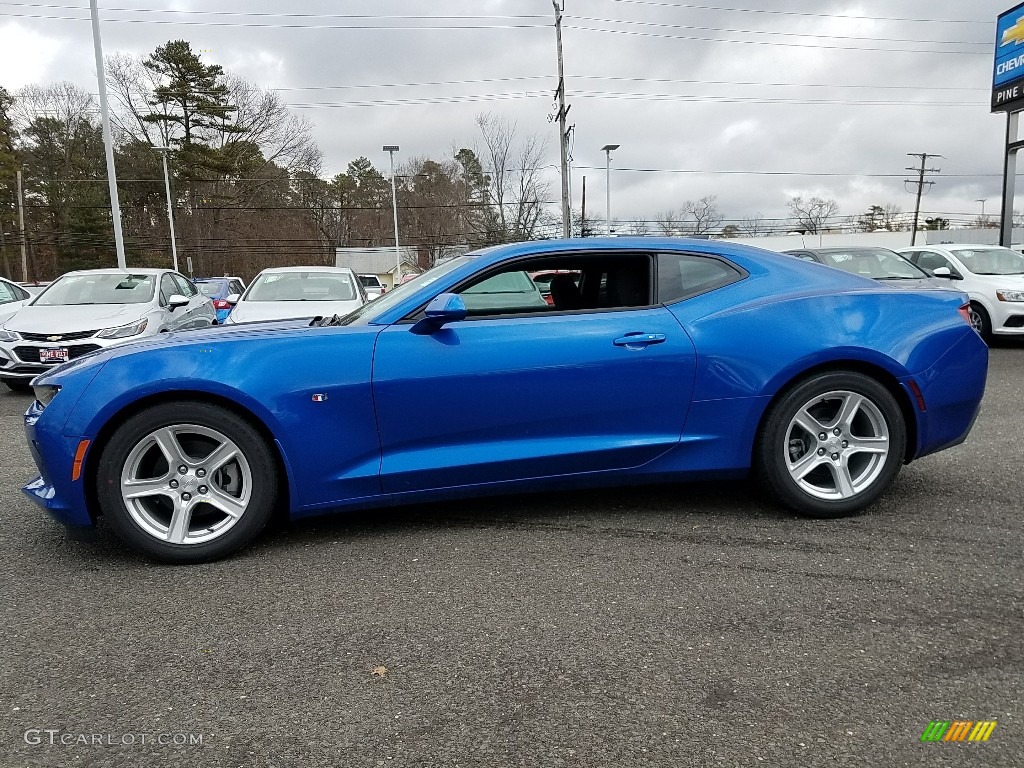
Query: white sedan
(991,275)
(12,298)
(91,309)
(284,293)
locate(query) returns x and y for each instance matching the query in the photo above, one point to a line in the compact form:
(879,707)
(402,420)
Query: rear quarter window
(682,275)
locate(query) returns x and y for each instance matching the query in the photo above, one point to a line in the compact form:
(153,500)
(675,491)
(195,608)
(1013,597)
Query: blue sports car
(659,360)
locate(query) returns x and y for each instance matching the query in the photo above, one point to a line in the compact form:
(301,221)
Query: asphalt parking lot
(670,626)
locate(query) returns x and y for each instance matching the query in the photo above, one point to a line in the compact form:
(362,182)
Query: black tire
(18,385)
(207,512)
(981,322)
(852,472)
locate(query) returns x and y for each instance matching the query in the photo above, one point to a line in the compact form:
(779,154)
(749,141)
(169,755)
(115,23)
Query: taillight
(221,304)
(965,313)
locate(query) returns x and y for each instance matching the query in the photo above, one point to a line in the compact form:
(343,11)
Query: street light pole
(21,228)
(108,141)
(391,149)
(607,149)
(170,207)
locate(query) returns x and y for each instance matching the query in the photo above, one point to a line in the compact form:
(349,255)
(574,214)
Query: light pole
(391,149)
(108,142)
(982,201)
(170,207)
(607,149)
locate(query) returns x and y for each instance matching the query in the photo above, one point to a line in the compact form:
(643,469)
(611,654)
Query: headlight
(45,393)
(1010,295)
(124,331)
(9,335)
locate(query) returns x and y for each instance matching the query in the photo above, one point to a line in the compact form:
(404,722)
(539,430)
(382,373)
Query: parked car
(873,262)
(218,289)
(282,293)
(89,310)
(12,298)
(35,287)
(373,286)
(991,275)
(678,359)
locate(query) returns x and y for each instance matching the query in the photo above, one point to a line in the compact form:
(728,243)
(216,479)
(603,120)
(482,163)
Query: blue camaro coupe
(658,360)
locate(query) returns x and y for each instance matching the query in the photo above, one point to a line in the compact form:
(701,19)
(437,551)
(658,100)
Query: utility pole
(21,228)
(563,137)
(583,210)
(921,184)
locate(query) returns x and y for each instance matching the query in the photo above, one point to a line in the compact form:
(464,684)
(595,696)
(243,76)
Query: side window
(7,293)
(235,287)
(167,289)
(564,283)
(682,275)
(185,288)
(928,261)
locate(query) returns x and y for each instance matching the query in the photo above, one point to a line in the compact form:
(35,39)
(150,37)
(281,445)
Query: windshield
(991,261)
(397,295)
(210,288)
(302,286)
(105,288)
(876,263)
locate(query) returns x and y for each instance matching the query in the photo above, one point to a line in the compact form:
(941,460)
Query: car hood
(254,311)
(78,317)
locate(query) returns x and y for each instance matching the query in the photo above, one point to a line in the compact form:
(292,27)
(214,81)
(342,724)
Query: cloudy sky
(753,102)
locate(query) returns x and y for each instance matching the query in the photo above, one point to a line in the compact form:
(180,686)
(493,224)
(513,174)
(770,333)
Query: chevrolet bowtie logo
(54,338)
(1014,34)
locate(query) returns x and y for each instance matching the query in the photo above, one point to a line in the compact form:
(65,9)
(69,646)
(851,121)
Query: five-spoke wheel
(831,445)
(187,482)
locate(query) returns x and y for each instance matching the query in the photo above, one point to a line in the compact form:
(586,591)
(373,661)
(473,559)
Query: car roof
(284,270)
(116,271)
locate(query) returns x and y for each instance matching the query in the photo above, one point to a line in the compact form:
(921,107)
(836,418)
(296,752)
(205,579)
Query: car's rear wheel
(187,482)
(980,320)
(832,444)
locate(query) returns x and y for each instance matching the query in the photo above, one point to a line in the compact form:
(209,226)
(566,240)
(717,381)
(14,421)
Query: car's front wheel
(831,445)
(980,321)
(186,482)
(18,385)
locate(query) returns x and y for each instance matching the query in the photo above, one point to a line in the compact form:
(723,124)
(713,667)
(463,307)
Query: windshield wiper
(322,321)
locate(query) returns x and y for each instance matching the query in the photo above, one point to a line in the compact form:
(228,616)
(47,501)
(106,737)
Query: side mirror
(443,309)
(947,273)
(176,300)
(233,298)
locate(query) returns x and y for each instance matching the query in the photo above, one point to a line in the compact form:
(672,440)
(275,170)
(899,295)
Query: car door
(173,319)
(200,306)
(530,390)
(12,298)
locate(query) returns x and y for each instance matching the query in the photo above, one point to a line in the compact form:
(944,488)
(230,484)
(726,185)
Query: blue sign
(1008,74)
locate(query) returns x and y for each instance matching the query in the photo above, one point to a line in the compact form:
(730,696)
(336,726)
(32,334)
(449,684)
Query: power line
(661,4)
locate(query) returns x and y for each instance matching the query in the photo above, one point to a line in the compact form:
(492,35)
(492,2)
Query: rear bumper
(952,389)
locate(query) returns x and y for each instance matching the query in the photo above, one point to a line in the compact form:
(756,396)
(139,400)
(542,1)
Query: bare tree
(812,215)
(639,228)
(517,188)
(755,225)
(705,214)
(669,222)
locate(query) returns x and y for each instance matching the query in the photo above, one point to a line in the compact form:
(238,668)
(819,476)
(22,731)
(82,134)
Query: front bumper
(53,489)
(21,359)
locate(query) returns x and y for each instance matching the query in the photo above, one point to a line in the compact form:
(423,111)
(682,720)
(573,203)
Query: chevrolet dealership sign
(1008,79)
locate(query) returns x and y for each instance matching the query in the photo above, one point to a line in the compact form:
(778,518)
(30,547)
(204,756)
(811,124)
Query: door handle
(639,340)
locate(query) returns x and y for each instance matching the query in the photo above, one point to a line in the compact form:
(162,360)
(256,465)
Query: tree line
(248,190)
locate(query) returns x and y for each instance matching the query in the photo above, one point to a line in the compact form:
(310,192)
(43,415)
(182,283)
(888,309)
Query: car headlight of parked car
(9,335)
(124,331)
(45,393)
(1002,296)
